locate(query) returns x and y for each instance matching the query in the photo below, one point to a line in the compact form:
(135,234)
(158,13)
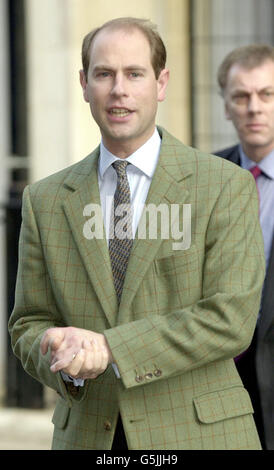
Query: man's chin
(255,141)
(118,135)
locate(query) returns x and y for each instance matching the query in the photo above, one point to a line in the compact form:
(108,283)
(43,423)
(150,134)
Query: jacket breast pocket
(185,261)
(222,404)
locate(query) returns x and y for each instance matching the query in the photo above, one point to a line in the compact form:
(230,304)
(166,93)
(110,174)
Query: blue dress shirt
(265,184)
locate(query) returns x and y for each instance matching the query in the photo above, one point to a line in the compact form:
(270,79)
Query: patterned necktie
(121,240)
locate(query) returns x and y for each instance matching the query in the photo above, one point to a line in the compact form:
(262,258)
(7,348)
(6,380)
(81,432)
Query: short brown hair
(158,50)
(248,56)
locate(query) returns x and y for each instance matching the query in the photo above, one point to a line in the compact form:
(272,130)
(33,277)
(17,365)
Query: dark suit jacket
(265,338)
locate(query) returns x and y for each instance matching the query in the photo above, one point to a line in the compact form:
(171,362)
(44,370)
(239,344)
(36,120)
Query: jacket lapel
(168,186)
(234,156)
(94,251)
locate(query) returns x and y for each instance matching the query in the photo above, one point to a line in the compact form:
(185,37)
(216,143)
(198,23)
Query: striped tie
(121,240)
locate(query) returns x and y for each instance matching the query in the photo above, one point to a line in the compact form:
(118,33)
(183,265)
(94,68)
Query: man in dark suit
(246,80)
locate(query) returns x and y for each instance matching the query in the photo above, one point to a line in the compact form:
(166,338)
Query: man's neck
(257,154)
(124,149)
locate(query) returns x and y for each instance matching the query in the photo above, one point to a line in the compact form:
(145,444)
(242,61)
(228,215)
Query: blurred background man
(246,80)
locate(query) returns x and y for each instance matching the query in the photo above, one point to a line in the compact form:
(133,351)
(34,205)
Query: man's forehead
(120,46)
(118,32)
(260,74)
(266,67)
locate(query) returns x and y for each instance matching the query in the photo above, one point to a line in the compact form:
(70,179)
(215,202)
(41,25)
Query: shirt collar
(145,158)
(266,164)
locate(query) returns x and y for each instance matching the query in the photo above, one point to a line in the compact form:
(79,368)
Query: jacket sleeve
(35,309)
(221,323)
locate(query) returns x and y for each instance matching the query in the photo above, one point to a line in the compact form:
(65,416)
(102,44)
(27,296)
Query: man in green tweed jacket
(160,357)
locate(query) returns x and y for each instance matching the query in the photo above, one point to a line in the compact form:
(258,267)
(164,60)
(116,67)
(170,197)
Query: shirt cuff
(81,382)
(76,382)
(116,370)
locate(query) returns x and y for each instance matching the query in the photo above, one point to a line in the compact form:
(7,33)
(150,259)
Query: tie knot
(256,171)
(120,168)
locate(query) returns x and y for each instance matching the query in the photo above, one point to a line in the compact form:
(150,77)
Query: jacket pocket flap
(61,413)
(184,260)
(223,404)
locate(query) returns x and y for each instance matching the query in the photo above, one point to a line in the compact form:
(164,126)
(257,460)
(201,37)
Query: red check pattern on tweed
(185,313)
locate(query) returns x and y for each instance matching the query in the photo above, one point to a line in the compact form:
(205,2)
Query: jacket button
(139,378)
(107,425)
(157,373)
(149,376)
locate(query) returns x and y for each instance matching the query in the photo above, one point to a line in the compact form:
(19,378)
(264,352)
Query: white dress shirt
(142,166)
(139,173)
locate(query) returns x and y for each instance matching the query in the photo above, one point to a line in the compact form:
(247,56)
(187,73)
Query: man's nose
(254,103)
(119,86)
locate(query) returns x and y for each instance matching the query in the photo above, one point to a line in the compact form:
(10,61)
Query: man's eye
(267,95)
(240,98)
(103,74)
(135,74)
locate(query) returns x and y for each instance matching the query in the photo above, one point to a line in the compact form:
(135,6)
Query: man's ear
(83,81)
(162,84)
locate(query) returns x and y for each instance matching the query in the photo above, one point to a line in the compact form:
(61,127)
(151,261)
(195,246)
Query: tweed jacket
(184,313)
(265,337)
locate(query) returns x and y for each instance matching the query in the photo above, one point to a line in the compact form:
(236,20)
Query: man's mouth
(120,112)
(255,125)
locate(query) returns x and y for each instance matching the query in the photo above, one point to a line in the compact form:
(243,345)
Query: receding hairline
(247,57)
(148,30)
(131,29)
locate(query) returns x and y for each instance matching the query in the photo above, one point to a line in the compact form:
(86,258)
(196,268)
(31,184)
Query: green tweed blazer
(184,314)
